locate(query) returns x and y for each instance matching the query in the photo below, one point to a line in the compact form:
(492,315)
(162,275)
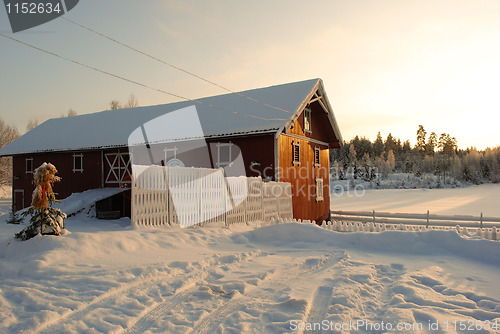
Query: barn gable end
(304,158)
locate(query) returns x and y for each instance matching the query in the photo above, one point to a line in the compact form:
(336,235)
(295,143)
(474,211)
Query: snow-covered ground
(456,201)
(106,277)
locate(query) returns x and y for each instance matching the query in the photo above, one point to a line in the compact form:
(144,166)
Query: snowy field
(106,277)
(456,201)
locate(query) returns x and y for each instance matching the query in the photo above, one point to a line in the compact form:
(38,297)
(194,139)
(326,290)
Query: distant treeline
(361,158)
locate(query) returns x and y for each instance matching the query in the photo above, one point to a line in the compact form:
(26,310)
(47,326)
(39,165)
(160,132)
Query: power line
(171,65)
(136,82)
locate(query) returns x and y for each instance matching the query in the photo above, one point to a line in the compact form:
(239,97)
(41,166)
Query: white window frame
(319,189)
(75,156)
(295,146)
(307,120)
(317,154)
(221,162)
(170,150)
(26,166)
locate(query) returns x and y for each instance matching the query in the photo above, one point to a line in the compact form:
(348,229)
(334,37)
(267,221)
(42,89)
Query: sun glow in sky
(387,65)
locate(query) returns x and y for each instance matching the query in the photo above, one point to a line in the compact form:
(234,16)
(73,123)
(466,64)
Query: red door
(18,200)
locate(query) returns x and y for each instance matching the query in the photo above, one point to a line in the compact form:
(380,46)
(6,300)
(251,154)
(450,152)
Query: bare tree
(71,112)
(32,123)
(115,104)
(132,102)
(7,134)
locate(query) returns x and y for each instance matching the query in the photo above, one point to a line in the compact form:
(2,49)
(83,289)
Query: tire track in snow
(148,317)
(319,305)
(347,287)
(144,284)
(284,277)
(100,301)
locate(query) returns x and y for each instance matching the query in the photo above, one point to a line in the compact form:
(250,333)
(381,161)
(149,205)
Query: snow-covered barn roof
(263,110)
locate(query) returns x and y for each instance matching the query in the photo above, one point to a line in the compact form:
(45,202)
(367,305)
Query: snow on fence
(164,196)
(426,219)
(365,221)
(492,233)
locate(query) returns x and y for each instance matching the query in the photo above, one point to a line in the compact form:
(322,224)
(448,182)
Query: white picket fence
(183,197)
(491,233)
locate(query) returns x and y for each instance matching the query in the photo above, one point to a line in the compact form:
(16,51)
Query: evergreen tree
(447,144)
(44,218)
(366,164)
(391,160)
(440,157)
(353,162)
(378,146)
(389,145)
(406,147)
(420,146)
(430,147)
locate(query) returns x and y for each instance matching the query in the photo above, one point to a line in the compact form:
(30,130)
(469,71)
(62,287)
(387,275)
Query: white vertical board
(188,196)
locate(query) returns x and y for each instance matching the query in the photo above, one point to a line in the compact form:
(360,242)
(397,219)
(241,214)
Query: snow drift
(108,277)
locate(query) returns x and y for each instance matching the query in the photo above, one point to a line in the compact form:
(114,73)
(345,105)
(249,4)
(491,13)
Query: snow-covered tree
(44,218)
(440,157)
(391,160)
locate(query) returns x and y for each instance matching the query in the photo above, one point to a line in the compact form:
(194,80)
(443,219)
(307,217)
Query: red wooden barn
(280,133)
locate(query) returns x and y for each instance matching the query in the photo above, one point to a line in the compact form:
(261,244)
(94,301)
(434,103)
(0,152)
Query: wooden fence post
(427,219)
(373,217)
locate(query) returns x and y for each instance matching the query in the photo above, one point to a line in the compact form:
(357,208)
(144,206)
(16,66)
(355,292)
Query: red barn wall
(257,152)
(71,181)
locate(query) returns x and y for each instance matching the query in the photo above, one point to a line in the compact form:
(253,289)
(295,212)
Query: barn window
(170,153)
(296,153)
(319,189)
(224,154)
(78,162)
(307,120)
(29,165)
(317,162)
(171,158)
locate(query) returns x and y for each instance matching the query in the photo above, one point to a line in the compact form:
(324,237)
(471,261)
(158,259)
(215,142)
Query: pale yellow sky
(388,65)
